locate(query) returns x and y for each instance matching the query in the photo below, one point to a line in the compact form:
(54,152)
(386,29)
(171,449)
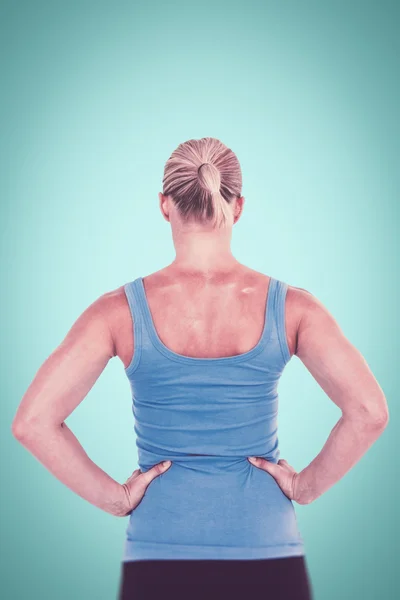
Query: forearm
(347,443)
(58,449)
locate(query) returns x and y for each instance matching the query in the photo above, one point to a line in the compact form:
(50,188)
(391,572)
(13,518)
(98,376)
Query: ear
(164,205)
(238,209)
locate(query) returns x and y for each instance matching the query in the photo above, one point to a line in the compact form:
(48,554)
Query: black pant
(262,579)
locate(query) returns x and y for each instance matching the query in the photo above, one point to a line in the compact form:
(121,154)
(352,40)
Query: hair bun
(203,198)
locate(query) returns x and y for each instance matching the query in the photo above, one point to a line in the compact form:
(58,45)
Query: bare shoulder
(97,315)
(115,308)
(305,311)
(117,315)
(312,316)
(301,298)
(299,304)
(111,300)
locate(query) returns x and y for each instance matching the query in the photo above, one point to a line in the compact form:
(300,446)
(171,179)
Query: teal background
(96,96)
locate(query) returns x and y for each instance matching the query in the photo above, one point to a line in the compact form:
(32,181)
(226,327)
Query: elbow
(19,429)
(376,418)
(24,428)
(30,429)
(381,420)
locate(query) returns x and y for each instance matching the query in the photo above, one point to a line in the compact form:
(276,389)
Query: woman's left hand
(284,474)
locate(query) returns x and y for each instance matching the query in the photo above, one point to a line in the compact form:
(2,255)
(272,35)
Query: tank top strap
(279,299)
(149,334)
(132,292)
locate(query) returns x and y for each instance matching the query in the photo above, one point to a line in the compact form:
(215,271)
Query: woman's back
(215,317)
(199,317)
(207,411)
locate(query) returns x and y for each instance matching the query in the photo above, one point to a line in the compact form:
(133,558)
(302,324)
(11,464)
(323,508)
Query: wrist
(302,490)
(120,506)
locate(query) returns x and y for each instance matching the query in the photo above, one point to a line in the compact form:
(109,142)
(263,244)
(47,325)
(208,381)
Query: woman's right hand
(135,486)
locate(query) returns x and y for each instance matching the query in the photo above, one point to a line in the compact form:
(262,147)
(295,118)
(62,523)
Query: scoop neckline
(265,335)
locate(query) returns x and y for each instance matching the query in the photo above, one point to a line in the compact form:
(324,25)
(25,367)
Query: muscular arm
(344,375)
(60,384)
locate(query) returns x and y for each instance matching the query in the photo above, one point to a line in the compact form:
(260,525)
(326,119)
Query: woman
(204,342)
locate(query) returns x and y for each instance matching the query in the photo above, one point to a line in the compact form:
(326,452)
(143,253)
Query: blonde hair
(202,177)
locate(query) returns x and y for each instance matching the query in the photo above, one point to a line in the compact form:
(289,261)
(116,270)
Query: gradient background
(96,96)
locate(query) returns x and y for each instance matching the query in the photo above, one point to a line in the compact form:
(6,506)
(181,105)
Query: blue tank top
(207,415)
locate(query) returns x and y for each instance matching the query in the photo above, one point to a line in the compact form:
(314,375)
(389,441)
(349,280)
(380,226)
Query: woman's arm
(344,375)
(61,383)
